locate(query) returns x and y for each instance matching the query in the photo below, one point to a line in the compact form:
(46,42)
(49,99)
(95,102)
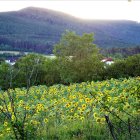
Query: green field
(75,112)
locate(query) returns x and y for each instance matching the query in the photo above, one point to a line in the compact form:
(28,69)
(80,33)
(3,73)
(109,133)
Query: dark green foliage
(80,70)
(124,68)
(133,65)
(30,70)
(119,53)
(116,70)
(4,71)
(50,72)
(79,58)
(76,46)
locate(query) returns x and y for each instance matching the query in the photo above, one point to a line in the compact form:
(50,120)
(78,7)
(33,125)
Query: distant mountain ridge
(38,29)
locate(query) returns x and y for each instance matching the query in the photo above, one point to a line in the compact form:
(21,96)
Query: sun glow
(83,9)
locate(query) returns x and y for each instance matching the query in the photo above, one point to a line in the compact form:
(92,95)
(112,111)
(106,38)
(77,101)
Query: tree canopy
(75,45)
(79,57)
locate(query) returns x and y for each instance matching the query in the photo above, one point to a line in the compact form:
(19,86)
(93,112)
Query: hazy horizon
(102,10)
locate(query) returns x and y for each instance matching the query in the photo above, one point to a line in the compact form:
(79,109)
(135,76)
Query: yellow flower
(71,110)
(76,104)
(75,115)
(87,100)
(1,107)
(62,116)
(27,107)
(8,129)
(95,115)
(21,101)
(83,109)
(46,120)
(107,85)
(13,117)
(9,108)
(67,105)
(98,120)
(73,97)
(103,120)
(5,123)
(83,105)
(34,122)
(81,100)
(81,118)
(79,108)
(127,107)
(109,98)
(81,112)
(39,107)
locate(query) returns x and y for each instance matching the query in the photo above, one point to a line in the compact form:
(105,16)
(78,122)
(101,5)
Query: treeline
(21,45)
(35,69)
(120,52)
(77,60)
(124,68)
(10,56)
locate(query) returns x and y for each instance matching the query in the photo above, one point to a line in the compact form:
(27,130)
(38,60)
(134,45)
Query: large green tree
(30,69)
(79,58)
(75,45)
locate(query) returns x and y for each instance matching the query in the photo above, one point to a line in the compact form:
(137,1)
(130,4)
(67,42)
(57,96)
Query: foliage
(133,65)
(70,112)
(128,67)
(4,71)
(35,69)
(79,58)
(29,68)
(50,72)
(79,47)
(120,53)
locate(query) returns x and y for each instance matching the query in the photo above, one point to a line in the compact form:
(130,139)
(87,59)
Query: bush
(129,67)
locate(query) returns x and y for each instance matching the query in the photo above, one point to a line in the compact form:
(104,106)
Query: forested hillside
(36,29)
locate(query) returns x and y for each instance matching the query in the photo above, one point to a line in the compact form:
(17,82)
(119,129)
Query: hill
(37,30)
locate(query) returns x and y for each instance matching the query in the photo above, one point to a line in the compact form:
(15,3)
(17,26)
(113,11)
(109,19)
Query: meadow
(74,112)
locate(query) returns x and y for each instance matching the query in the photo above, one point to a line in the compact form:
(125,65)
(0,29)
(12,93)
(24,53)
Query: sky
(85,9)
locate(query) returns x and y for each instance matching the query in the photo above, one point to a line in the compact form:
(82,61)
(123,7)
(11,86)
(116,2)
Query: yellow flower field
(43,108)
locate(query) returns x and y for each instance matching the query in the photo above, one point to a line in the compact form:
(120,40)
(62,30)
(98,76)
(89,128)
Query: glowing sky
(86,9)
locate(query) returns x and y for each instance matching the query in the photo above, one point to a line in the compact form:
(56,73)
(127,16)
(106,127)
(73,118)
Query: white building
(10,62)
(108,61)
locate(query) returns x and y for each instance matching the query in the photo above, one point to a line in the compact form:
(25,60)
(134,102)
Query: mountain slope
(37,29)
